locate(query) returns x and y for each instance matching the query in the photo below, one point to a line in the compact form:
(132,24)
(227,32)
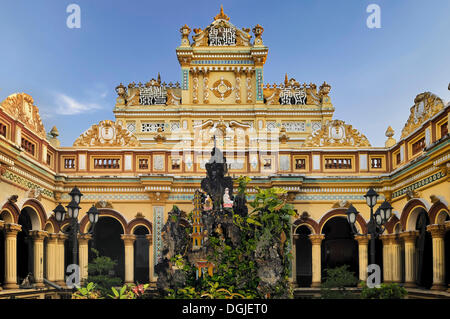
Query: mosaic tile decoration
(239,62)
(26,183)
(158,221)
(259,94)
(185,80)
(419,184)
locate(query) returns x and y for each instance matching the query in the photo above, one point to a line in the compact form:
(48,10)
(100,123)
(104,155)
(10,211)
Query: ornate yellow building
(134,169)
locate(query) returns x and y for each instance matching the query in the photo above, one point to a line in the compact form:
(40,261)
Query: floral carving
(222,88)
(107,133)
(21,107)
(425,106)
(337,134)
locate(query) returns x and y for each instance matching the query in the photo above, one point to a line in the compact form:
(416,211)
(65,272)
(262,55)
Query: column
(59,264)
(316,241)
(51,257)
(11,231)
(387,258)
(151,264)
(447,227)
(83,256)
(363,242)
(396,258)
(409,239)
(294,260)
(38,258)
(438,234)
(2,225)
(128,241)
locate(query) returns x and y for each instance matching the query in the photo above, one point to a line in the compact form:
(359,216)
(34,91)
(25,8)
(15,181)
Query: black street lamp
(73,210)
(377,220)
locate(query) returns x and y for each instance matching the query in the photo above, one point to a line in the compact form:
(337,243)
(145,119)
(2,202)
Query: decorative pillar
(363,243)
(237,86)
(205,87)
(51,257)
(128,241)
(438,234)
(59,260)
(248,81)
(83,256)
(151,264)
(11,231)
(409,238)
(387,258)
(316,240)
(447,224)
(194,86)
(38,258)
(396,262)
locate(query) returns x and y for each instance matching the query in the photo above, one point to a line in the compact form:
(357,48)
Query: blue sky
(374,73)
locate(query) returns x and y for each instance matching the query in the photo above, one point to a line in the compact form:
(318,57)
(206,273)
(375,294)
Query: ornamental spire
(221,15)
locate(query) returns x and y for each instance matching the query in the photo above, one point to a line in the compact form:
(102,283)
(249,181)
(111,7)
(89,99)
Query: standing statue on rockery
(216,182)
(237,252)
(175,242)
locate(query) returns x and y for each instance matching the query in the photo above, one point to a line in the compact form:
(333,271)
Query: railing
(28,146)
(3,130)
(106,163)
(69,163)
(338,163)
(418,146)
(300,163)
(376,163)
(143,163)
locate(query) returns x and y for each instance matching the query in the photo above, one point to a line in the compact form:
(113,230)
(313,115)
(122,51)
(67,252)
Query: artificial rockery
(223,250)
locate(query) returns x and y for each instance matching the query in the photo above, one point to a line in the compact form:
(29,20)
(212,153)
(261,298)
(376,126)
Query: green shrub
(338,279)
(98,273)
(386,291)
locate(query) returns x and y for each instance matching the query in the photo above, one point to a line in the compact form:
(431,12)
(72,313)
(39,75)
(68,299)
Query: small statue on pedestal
(227,202)
(208,205)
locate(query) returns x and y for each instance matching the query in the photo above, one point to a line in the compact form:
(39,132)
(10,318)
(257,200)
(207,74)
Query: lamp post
(377,220)
(73,210)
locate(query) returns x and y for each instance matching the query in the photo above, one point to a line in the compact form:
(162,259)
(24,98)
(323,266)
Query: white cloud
(67,105)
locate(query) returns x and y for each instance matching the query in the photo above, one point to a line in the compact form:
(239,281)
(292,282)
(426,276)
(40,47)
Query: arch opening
(141,255)
(25,243)
(339,247)
(7,217)
(424,251)
(303,256)
(107,240)
(2,257)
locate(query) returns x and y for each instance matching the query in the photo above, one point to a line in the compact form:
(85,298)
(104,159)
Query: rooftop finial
(221,15)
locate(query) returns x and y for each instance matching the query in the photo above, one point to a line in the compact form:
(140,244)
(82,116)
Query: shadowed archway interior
(303,255)
(424,252)
(447,256)
(339,247)
(141,255)
(24,245)
(2,257)
(107,240)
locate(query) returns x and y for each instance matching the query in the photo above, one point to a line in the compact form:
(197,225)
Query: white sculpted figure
(227,202)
